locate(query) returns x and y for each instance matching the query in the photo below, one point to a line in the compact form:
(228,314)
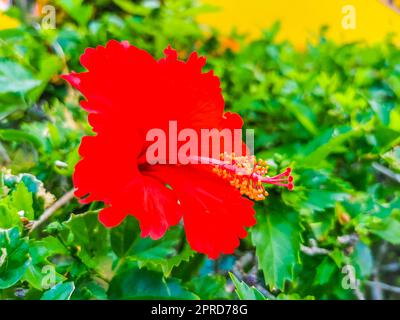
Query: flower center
(248,175)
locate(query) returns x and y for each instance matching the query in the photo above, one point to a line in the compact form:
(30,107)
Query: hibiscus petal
(111,217)
(118,80)
(215,214)
(151,202)
(122,78)
(107,165)
(160,209)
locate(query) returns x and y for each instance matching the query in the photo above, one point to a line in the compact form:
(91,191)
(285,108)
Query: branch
(387,172)
(3,256)
(383,286)
(350,239)
(359,294)
(391,267)
(51,210)
(313,249)
(376,288)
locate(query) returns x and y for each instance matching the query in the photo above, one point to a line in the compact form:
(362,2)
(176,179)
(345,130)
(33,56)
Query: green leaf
(382,110)
(167,252)
(15,78)
(80,12)
(325,271)
(293,296)
(388,229)
(11,103)
(49,66)
(147,249)
(245,292)
(123,236)
(303,114)
(277,239)
(46,247)
(320,200)
(89,289)
(22,200)
(163,254)
(14,258)
(337,137)
(209,287)
(20,136)
(61,291)
(92,241)
(180,256)
(134,283)
(33,184)
(362,260)
(9,216)
(132,8)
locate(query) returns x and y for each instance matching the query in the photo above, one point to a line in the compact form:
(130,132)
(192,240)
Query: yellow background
(7,23)
(301,20)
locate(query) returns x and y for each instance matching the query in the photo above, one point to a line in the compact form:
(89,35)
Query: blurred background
(319,81)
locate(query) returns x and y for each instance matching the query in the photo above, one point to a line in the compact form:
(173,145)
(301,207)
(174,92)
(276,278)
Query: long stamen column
(249,175)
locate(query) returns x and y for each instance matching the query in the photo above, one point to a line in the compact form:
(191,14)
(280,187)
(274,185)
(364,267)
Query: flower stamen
(248,175)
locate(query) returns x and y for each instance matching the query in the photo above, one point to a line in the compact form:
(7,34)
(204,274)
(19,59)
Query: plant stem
(51,210)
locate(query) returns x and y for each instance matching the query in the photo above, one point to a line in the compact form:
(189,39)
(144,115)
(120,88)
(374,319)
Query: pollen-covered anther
(248,175)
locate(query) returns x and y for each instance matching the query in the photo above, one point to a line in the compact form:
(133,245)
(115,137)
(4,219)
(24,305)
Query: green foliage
(245,292)
(331,112)
(132,282)
(277,241)
(14,257)
(61,291)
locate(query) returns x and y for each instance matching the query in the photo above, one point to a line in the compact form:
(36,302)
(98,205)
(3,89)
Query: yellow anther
(240,174)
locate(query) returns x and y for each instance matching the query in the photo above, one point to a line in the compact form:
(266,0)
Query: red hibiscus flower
(128,92)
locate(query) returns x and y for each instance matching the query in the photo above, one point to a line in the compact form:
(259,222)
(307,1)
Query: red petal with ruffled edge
(151,202)
(215,215)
